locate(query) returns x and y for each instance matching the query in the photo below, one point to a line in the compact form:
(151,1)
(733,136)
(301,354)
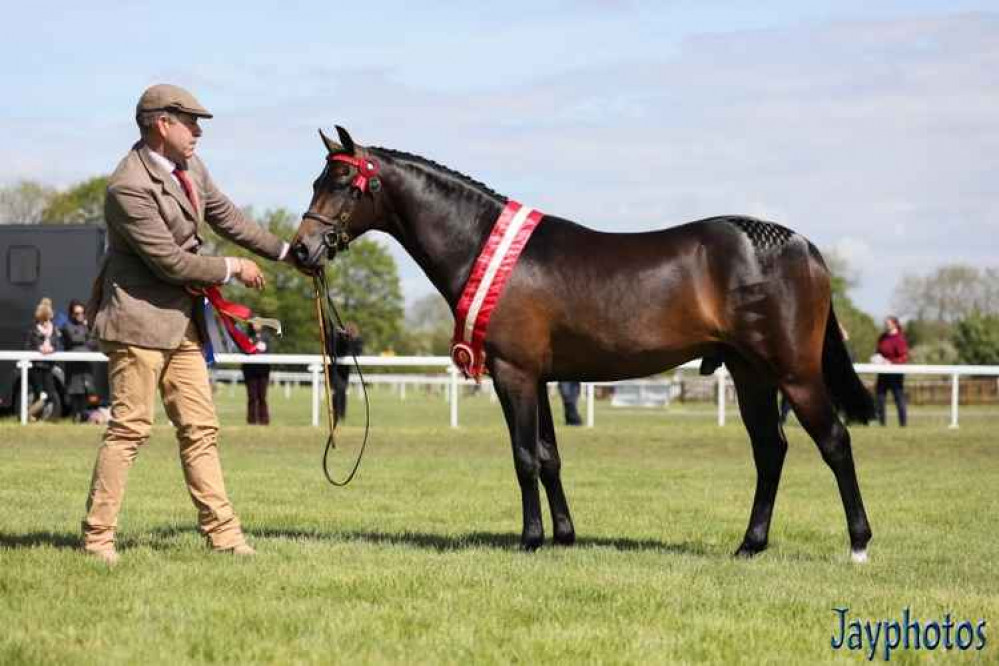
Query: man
(148,320)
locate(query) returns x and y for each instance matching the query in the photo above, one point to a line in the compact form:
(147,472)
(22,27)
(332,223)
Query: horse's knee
(550,469)
(548,452)
(527,465)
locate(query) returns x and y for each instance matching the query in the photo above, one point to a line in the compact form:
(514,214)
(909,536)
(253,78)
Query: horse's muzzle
(311,259)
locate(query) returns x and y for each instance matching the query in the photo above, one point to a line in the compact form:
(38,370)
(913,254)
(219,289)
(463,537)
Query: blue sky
(873,130)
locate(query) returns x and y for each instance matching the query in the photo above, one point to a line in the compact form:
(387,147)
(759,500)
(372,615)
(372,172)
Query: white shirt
(168,165)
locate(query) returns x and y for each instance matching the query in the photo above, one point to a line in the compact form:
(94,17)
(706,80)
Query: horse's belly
(597,363)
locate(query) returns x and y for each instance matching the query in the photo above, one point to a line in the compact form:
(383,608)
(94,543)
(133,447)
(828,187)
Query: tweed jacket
(140,296)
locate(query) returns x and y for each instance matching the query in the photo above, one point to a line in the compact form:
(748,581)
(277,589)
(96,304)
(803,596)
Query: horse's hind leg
(817,415)
(551,471)
(518,394)
(758,406)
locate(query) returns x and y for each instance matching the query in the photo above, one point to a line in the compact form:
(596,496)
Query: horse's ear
(331,145)
(348,143)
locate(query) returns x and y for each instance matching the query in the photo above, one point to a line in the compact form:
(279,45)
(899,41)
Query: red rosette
(462,356)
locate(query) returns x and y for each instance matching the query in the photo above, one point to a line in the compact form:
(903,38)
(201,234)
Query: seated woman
(44,337)
(79,375)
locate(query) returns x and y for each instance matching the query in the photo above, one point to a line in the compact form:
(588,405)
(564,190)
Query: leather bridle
(336,237)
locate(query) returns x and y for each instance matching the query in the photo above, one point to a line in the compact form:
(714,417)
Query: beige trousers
(182,378)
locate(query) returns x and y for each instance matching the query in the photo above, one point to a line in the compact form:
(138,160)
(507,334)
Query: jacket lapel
(169,184)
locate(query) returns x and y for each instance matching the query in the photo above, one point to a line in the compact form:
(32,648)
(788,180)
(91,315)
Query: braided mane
(440,168)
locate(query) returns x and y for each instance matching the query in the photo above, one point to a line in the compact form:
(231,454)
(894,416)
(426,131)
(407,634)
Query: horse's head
(343,202)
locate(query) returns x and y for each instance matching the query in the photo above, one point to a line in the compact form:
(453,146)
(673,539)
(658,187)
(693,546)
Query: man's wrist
(233,268)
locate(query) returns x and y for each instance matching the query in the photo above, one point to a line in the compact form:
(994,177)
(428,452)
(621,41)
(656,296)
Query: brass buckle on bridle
(336,240)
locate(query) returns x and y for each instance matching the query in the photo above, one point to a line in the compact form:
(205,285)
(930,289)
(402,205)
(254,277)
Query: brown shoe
(108,556)
(240,550)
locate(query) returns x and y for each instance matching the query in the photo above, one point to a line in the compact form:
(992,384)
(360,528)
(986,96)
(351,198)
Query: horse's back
(730,249)
(555,234)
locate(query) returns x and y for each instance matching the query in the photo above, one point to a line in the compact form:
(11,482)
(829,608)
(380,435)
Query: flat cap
(165,97)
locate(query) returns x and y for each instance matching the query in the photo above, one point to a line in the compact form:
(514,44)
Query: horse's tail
(848,392)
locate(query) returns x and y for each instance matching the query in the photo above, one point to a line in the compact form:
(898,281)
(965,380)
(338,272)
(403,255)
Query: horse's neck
(441,224)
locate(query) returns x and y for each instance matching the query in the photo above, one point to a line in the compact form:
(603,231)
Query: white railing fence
(454,379)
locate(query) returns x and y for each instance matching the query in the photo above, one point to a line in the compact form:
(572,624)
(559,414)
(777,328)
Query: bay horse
(587,305)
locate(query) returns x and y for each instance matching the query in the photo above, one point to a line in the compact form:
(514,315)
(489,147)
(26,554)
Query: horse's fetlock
(565,537)
(532,538)
(860,536)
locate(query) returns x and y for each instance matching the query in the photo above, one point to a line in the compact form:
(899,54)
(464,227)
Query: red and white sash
(490,272)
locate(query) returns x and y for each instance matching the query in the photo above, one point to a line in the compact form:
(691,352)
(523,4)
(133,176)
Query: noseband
(336,237)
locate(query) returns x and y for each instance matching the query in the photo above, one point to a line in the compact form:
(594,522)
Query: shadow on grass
(40,539)
(164,538)
(73,540)
(494,540)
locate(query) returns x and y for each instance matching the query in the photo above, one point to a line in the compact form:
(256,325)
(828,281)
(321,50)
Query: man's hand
(249,273)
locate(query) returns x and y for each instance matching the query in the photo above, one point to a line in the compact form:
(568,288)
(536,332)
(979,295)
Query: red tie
(185,182)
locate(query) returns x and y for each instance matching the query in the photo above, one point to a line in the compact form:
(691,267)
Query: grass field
(417,561)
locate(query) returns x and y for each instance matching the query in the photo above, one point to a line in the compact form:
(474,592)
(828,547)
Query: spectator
(257,376)
(570,394)
(44,337)
(79,375)
(892,348)
(347,342)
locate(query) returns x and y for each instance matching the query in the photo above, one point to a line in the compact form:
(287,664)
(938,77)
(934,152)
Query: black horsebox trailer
(36,261)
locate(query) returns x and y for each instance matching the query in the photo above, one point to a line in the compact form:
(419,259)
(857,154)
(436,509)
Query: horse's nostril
(301,252)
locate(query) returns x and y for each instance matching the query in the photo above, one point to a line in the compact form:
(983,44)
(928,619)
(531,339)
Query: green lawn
(417,561)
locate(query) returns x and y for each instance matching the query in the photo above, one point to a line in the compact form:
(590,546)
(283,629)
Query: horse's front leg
(518,393)
(551,472)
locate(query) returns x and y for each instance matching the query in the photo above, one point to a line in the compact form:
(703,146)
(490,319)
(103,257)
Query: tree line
(951,313)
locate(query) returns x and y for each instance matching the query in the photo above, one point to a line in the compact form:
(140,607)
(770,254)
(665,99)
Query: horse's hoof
(564,538)
(858,556)
(748,550)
